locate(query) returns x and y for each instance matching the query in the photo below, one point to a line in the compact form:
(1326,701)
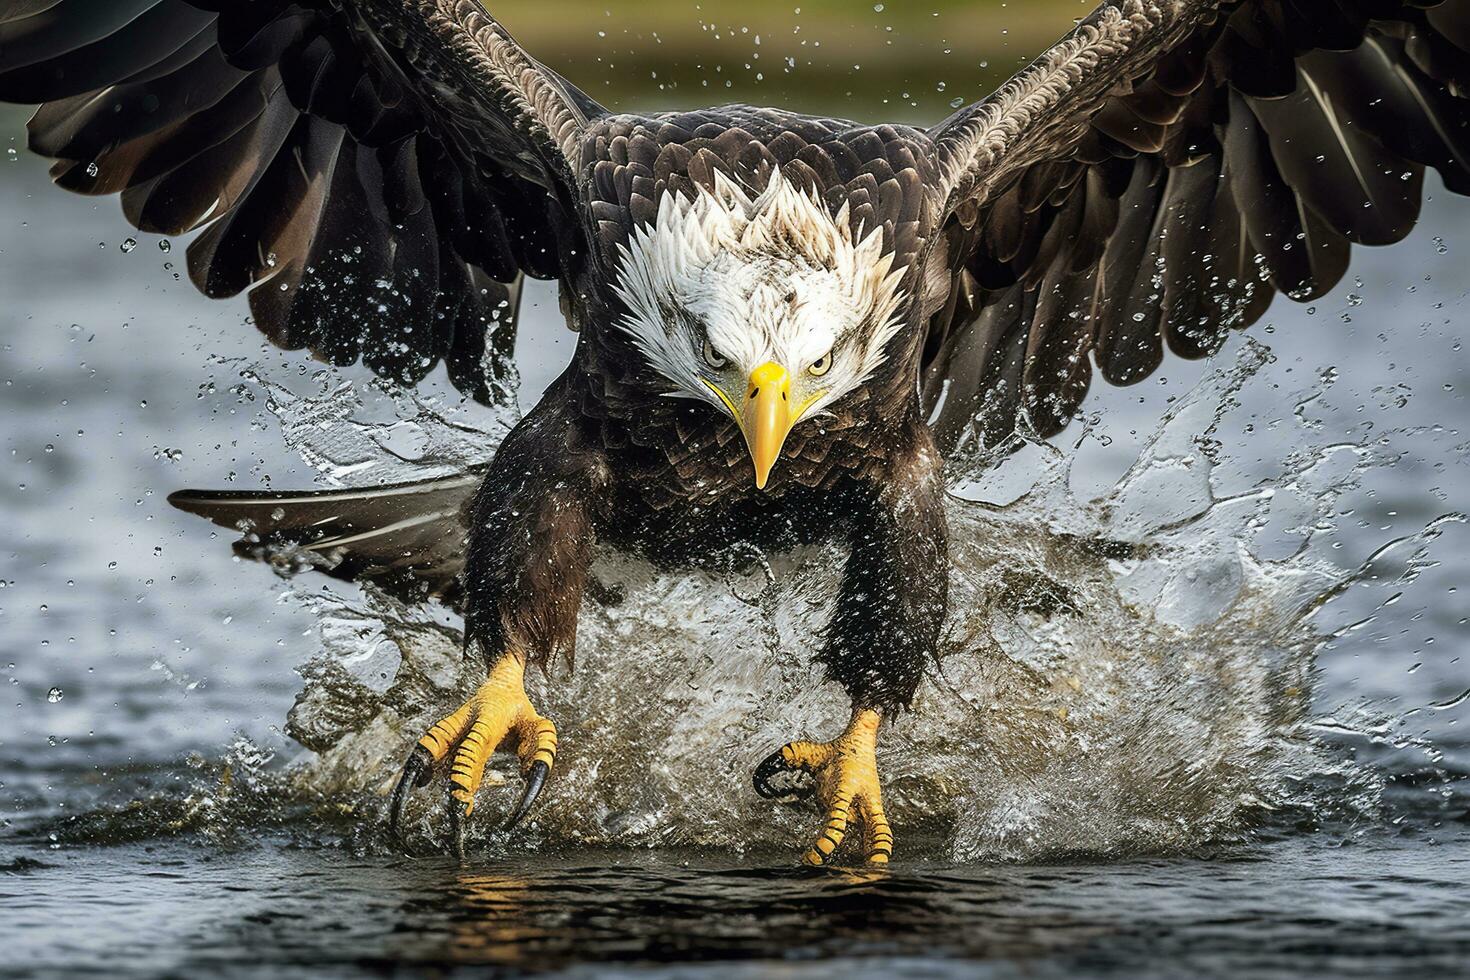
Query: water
(1348,911)
(1120,675)
(1238,760)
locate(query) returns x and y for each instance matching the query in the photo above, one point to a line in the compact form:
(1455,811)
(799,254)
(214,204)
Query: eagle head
(765,305)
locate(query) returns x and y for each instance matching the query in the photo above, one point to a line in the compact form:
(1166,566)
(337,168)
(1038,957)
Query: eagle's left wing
(1156,176)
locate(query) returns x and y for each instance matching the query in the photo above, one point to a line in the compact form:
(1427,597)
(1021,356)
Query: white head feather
(769,277)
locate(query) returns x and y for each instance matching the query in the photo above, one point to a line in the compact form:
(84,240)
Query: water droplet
(54,695)
(129,244)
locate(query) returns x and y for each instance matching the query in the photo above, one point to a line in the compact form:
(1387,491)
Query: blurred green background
(893,61)
(896,60)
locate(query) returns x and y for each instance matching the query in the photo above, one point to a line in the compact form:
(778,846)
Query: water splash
(1120,675)
(394,434)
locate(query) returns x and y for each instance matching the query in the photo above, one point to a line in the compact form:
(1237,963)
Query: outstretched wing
(1158,175)
(378,174)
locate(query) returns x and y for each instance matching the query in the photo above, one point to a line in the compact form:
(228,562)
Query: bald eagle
(787,322)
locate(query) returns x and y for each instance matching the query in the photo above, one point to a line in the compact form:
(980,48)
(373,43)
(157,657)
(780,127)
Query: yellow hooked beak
(767,417)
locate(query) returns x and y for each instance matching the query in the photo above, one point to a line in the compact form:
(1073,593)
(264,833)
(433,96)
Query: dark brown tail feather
(406,537)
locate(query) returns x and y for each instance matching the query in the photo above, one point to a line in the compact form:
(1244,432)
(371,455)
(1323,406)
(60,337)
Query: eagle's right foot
(497,711)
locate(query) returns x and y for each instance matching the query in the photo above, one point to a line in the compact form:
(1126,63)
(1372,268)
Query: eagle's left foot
(498,712)
(846,784)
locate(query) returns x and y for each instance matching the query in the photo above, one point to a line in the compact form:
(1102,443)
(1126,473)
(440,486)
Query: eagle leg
(497,713)
(883,633)
(845,772)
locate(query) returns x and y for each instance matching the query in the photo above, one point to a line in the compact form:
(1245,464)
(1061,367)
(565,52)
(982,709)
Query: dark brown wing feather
(379,176)
(408,537)
(1255,143)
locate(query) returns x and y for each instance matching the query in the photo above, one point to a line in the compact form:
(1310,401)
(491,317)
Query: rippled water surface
(1342,911)
(1202,708)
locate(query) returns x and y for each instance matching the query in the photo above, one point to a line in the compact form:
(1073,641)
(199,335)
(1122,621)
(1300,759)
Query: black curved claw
(775,765)
(456,824)
(535,779)
(416,773)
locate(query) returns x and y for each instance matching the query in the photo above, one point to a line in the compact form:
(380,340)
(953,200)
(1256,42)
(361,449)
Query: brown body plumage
(381,174)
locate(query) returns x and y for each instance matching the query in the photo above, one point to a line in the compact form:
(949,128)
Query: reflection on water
(1366,910)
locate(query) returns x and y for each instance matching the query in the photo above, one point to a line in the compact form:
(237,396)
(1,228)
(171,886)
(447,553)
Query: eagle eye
(821,365)
(712,357)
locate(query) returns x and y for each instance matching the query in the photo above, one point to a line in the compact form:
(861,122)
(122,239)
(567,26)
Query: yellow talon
(497,711)
(846,771)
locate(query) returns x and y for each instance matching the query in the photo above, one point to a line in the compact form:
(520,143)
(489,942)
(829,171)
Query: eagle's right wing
(379,174)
